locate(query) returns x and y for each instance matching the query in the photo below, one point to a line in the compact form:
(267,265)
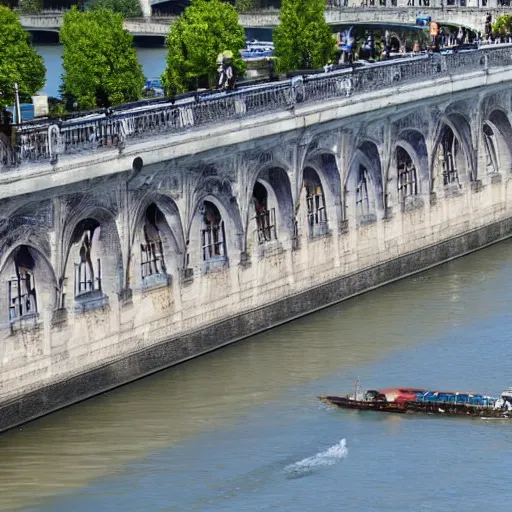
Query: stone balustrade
(467,13)
(52,22)
(46,140)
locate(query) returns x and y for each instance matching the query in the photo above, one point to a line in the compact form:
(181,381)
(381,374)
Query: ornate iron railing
(46,140)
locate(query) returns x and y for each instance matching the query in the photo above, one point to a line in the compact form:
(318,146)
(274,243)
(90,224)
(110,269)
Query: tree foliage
(19,62)
(201,33)
(503,25)
(30,6)
(303,39)
(247,5)
(128,8)
(99,60)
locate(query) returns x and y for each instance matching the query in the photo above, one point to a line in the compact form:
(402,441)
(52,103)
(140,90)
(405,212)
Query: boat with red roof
(416,400)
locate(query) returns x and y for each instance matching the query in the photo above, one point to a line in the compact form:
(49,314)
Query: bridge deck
(49,140)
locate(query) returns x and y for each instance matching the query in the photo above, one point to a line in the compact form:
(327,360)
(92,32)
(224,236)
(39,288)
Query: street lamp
(17,107)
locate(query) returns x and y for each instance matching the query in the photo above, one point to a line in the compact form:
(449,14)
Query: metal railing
(46,140)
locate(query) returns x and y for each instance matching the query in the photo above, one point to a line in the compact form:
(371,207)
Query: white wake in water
(329,457)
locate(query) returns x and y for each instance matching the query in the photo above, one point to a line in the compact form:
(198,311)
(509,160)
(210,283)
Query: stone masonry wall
(188,255)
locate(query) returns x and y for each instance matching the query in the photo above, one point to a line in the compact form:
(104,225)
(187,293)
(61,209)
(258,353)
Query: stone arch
(363,190)
(461,128)
(202,230)
(315,203)
(279,208)
(29,287)
(157,243)
(29,224)
(170,232)
(452,153)
(413,141)
(92,263)
(324,165)
(497,142)
(408,176)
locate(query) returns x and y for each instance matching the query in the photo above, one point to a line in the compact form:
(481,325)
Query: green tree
(502,25)
(303,39)
(200,34)
(19,62)
(128,8)
(29,6)
(99,60)
(247,5)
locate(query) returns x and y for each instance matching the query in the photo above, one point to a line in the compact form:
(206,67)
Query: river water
(241,429)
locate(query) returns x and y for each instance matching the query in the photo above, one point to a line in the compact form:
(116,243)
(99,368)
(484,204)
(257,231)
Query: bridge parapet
(472,17)
(147,26)
(52,22)
(469,17)
(42,21)
(46,140)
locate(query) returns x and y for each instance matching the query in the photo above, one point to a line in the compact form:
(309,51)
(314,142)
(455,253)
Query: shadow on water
(68,449)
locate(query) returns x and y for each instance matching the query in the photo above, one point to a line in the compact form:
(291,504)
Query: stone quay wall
(130,244)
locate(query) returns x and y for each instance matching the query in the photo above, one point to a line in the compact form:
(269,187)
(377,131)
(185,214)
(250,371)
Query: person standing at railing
(434,33)
(488,26)
(221,75)
(226,79)
(230,76)
(460,36)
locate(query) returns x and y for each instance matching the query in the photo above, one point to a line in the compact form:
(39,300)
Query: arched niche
(413,142)
(270,213)
(322,167)
(496,143)
(29,287)
(93,271)
(450,163)
(264,204)
(407,175)
(213,235)
(158,245)
(363,186)
(314,200)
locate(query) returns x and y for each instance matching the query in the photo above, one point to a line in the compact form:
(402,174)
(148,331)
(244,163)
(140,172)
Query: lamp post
(17,107)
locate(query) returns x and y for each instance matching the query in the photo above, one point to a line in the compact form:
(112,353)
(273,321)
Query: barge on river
(412,400)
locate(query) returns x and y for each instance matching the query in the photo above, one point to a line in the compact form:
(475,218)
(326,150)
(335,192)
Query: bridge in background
(468,17)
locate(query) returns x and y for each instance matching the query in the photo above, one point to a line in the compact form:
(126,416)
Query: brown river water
(241,429)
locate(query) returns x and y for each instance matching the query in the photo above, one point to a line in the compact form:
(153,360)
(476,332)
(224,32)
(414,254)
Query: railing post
(54,143)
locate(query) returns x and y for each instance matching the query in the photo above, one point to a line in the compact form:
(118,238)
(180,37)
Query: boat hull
(446,409)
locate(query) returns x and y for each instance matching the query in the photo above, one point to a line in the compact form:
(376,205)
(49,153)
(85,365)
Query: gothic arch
(99,213)
(29,224)
(169,209)
(413,141)
(324,164)
(231,228)
(364,182)
(28,284)
(106,247)
(461,129)
(276,183)
(157,242)
(497,140)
